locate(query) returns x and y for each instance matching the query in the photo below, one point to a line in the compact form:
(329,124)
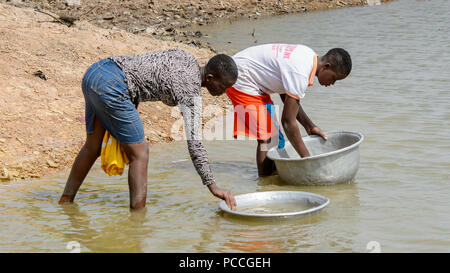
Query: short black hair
(340,60)
(223,67)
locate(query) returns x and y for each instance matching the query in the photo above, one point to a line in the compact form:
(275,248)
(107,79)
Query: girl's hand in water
(223,194)
(316,131)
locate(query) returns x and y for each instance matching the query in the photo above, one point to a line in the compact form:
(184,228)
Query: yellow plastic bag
(113,157)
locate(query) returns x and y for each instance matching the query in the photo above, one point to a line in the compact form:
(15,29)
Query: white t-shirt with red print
(276,68)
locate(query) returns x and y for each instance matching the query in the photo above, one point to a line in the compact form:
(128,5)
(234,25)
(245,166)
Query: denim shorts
(106,97)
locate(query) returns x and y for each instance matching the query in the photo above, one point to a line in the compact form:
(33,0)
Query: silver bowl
(333,161)
(295,200)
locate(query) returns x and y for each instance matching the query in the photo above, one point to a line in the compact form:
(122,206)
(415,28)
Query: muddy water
(287,207)
(397,96)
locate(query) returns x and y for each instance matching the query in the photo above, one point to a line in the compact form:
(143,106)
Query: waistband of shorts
(242,98)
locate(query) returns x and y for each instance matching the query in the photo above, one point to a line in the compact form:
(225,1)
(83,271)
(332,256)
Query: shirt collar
(313,71)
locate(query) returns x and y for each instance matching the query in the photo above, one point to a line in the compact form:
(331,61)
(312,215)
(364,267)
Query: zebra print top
(173,77)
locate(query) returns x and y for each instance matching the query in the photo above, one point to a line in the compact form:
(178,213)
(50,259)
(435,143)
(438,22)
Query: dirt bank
(170,20)
(42,118)
(42,63)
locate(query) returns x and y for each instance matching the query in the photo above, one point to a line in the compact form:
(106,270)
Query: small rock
(198,34)
(195,43)
(154,138)
(341,3)
(52,164)
(13,174)
(17,167)
(170,29)
(4,173)
(41,75)
(108,17)
(150,30)
(81,119)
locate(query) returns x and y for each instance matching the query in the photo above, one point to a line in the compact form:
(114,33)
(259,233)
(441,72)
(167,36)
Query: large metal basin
(333,161)
(276,204)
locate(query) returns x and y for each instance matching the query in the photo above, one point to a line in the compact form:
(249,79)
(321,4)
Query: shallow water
(397,96)
(274,208)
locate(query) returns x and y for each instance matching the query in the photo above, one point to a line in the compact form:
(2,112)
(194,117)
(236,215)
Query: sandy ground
(42,63)
(170,20)
(42,119)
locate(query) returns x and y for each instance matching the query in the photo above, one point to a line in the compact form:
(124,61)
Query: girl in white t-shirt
(287,70)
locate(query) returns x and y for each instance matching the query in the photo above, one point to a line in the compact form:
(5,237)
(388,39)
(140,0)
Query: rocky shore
(46,46)
(172,20)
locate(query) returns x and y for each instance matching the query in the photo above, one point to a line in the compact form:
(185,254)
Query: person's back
(275,68)
(168,76)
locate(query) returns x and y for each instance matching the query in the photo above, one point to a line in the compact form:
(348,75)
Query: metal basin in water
(271,205)
(333,161)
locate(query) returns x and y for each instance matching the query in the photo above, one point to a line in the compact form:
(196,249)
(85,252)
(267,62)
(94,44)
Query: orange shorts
(254,115)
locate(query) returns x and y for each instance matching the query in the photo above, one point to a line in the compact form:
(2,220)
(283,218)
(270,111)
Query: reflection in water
(119,236)
(325,230)
(252,241)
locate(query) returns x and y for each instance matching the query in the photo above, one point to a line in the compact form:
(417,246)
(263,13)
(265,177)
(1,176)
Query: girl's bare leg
(137,173)
(83,162)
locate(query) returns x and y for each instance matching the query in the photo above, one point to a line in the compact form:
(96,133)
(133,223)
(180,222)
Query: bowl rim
(356,144)
(223,206)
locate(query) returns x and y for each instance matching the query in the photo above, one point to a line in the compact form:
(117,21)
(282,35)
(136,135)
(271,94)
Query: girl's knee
(137,152)
(145,155)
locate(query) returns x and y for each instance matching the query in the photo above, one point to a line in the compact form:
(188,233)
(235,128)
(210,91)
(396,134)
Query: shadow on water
(119,236)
